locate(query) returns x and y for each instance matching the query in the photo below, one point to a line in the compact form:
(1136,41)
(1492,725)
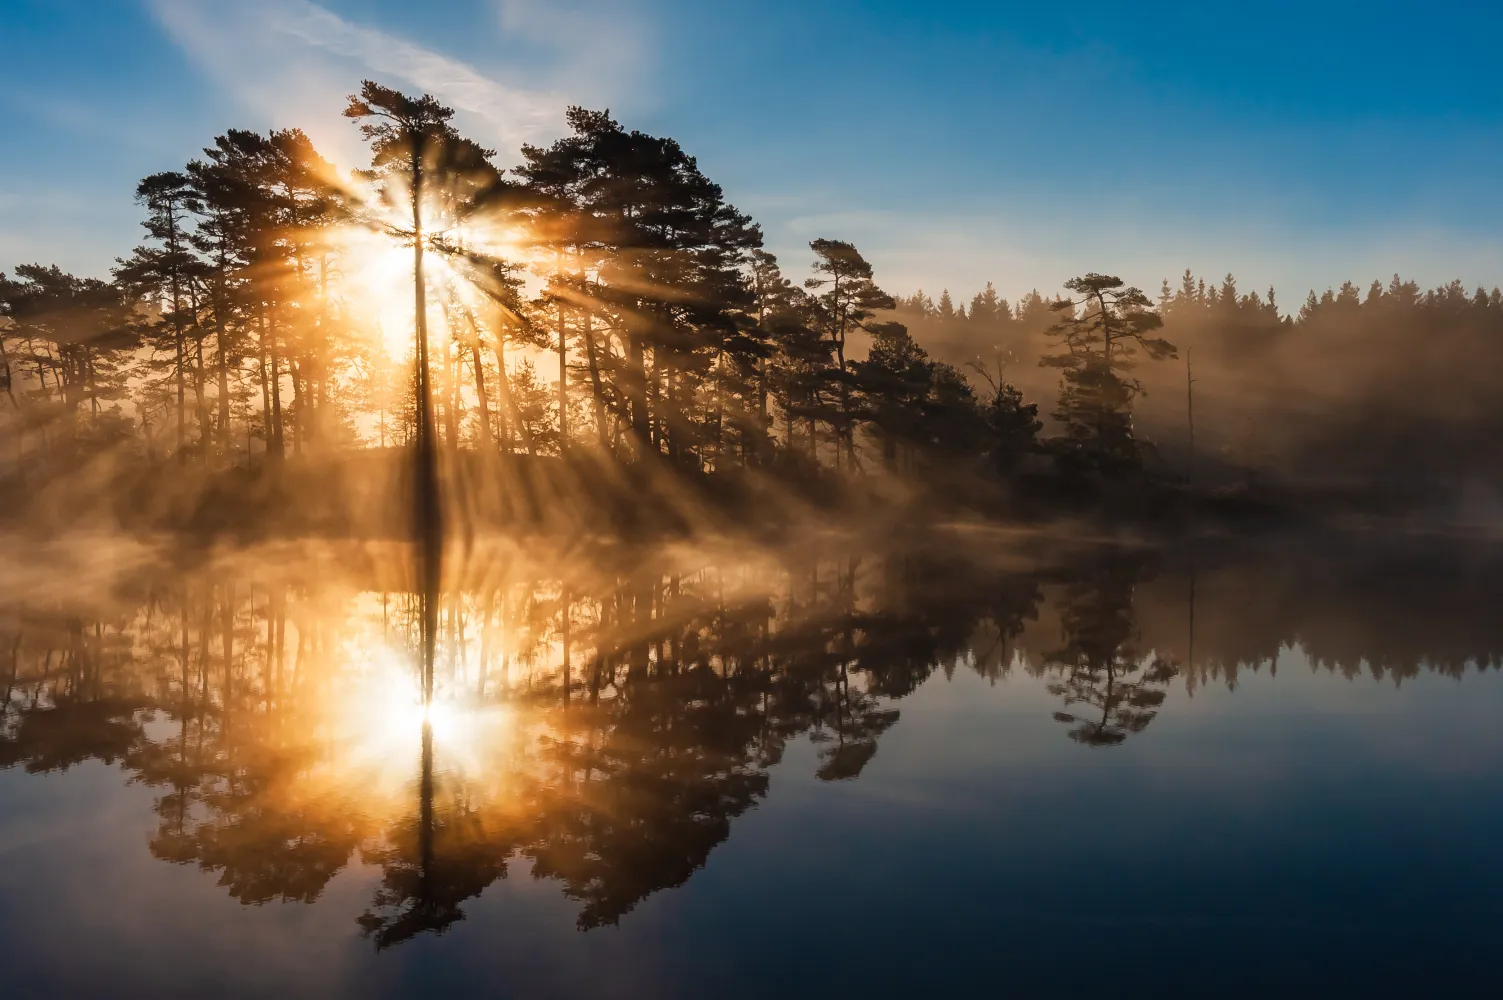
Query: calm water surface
(976,768)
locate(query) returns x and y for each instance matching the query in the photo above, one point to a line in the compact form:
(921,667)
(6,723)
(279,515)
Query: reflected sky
(972,767)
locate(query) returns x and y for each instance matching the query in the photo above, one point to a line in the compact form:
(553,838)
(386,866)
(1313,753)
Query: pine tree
(670,284)
(167,268)
(1228,296)
(408,139)
(78,332)
(1099,335)
(986,308)
(847,297)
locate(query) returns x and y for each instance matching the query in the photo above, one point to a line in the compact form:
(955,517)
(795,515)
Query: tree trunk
(223,371)
(563,365)
(597,391)
(262,361)
(719,411)
(278,442)
(509,406)
(764,426)
(429,523)
(845,401)
(201,403)
(177,325)
(298,408)
(273,387)
(6,375)
(93,385)
(182,426)
(486,441)
(507,411)
(637,384)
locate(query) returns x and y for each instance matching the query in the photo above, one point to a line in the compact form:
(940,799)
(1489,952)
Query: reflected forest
(604,727)
(461,520)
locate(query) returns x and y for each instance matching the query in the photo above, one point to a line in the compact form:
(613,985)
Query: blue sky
(1293,144)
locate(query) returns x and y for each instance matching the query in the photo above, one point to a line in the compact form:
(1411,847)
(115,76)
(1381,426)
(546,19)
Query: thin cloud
(292,62)
(509,109)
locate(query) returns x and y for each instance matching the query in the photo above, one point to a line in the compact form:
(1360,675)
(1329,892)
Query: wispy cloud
(506,108)
(291,62)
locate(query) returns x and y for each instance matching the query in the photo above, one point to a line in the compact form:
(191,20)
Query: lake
(968,763)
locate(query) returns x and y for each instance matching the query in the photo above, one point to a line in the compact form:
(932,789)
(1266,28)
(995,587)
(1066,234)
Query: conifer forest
(598,320)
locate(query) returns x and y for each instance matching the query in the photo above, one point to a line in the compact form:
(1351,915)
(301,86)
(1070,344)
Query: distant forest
(1382,386)
(601,301)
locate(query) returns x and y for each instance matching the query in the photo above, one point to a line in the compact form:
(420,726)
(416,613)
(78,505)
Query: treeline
(262,317)
(1384,385)
(602,300)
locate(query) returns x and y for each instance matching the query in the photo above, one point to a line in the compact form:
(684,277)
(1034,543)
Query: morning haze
(812,500)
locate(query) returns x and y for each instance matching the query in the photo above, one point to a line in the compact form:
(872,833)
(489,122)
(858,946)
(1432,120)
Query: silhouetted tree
(1099,336)
(77,333)
(846,297)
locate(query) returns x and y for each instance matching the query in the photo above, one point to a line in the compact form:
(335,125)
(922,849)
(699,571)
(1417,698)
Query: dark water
(978,767)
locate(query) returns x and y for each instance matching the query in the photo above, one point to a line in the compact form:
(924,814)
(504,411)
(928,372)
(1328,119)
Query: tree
(896,381)
(946,306)
(921,411)
(241,236)
(566,234)
(775,295)
(1098,337)
(166,269)
(797,373)
(987,309)
(846,296)
(221,238)
(1012,425)
(669,284)
(78,333)
(414,147)
(309,205)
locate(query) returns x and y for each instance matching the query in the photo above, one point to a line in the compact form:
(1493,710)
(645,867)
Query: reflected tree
(1117,688)
(275,711)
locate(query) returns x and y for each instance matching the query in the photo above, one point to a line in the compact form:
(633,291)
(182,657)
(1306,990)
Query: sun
(376,263)
(378,270)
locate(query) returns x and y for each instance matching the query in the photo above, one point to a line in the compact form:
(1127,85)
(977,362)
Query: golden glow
(378,275)
(381,715)
(376,262)
(292,734)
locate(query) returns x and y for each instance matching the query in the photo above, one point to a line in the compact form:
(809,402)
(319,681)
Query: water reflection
(607,716)
(1110,686)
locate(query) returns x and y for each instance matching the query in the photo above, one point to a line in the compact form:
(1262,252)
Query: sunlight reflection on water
(604,724)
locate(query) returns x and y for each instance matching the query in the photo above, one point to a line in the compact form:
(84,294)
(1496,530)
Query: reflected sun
(382,718)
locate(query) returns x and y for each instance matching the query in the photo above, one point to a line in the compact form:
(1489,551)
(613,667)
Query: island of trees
(597,329)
